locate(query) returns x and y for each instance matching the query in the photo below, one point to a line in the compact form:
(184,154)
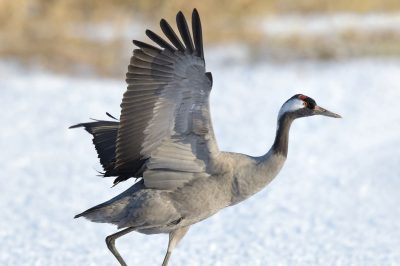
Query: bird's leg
(174,238)
(110,241)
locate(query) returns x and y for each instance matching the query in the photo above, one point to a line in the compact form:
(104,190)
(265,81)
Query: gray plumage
(166,140)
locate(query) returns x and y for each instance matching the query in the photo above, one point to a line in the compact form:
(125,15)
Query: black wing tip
(117,181)
(141,44)
(195,15)
(184,31)
(197,33)
(120,178)
(170,34)
(85,125)
(95,120)
(150,34)
(180,17)
(78,215)
(160,41)
(163,23)
(111,116)
(76,126)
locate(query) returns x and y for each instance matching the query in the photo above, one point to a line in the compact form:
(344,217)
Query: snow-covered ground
(336,202)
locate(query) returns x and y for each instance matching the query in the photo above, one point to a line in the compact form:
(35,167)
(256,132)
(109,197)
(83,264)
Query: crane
(164,139)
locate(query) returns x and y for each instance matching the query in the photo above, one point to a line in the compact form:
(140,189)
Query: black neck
(281,142)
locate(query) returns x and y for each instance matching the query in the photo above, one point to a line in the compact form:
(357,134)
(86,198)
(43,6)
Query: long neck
(281,142)
(251,175)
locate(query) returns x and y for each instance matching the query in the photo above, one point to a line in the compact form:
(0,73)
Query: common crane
(165,139)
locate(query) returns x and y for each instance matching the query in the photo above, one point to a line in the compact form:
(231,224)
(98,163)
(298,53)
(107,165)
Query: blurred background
(336,201)
(73,35)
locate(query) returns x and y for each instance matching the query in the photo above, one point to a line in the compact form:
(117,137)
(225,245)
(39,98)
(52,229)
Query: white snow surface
(336,201)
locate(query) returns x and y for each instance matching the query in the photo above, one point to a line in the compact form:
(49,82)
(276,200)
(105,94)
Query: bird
(164,141)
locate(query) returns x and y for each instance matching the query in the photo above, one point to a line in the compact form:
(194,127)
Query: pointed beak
(321,111)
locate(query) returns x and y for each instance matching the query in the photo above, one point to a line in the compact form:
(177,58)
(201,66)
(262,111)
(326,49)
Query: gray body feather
(235,178)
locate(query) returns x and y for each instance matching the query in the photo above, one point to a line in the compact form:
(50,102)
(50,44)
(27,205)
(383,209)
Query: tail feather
(113,210)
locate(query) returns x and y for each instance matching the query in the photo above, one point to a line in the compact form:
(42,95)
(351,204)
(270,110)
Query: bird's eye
(305,104)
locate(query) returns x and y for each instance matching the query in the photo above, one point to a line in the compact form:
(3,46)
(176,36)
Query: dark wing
(165,133)
(104,139)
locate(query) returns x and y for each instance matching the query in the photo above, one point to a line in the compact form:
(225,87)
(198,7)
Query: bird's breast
(202,198)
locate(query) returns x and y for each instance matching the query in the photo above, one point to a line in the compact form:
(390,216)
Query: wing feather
(165,133)
(184,31)
(197,33)
(145,45)
(136,62)
(141,55)
(160,41)
(171,35)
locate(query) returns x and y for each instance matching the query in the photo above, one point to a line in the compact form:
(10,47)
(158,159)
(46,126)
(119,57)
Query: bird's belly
(188,205)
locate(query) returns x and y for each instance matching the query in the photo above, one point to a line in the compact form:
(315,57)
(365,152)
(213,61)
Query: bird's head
(302,106)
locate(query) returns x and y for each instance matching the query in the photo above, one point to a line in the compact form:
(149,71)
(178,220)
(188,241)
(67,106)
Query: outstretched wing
(165,133)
